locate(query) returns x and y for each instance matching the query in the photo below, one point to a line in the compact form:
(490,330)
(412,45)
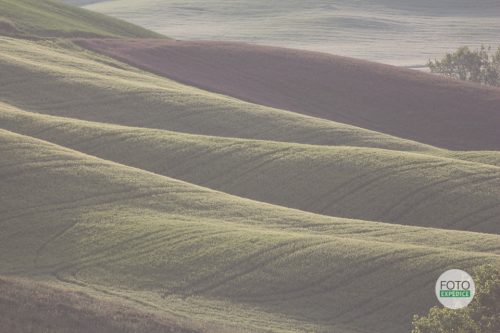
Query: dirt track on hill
(405,103)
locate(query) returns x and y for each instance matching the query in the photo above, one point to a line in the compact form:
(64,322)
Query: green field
(51,18)
(109,227)
(83,85)
(42,307)
(353,182)
(141,204)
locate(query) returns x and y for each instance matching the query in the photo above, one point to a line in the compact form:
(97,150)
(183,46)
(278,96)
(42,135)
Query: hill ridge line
(224,111)
(168,153)
(262,228)
(65,120)
(391,100)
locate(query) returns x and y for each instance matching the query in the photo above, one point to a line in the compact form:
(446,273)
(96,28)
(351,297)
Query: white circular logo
(455,289)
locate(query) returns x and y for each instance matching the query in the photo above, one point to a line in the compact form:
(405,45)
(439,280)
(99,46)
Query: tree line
(481,65)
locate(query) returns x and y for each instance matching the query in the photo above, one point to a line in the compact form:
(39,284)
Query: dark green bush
(482,315)
(481,65)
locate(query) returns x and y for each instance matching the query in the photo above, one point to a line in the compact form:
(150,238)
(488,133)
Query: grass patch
(99,224)
(47,18)
(354,182)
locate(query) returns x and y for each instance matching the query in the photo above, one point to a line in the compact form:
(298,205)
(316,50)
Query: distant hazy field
(400,32)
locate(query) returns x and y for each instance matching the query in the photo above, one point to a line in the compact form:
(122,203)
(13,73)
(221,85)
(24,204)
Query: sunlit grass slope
(364,183)
(405,103)
(126,199)
(97,224)
(80,84)
(50,18)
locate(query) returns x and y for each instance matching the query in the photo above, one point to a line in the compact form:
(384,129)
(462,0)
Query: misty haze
(399,32)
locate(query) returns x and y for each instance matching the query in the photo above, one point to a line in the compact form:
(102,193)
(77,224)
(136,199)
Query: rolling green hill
(102,225)
(84,85)
(405,103)
(365,183)
(41,307)
(130,202)
(50,18)
(80,84)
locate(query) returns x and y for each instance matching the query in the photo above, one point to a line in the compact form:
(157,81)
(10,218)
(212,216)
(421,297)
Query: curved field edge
(59,305)
(28,305)
(90,225)
(387,99)
(48,18)
(102,223)
(74,86)
(362,183)
(81,84)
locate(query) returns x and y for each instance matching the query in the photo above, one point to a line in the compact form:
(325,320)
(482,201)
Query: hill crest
(400,102)
(49,18)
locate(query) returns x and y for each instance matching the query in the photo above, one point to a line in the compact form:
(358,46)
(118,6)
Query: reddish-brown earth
(405,103)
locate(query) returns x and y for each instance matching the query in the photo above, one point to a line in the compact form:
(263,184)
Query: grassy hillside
(148,237)
(38,307)
(486,157)
(363,183)
(51,18)
(134,203)
(401,102)
(87,86)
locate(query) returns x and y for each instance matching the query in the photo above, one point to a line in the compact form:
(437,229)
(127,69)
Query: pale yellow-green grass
(365,183)
(51,18)
(486,157)
(119,188)
(80,84)
(99,224)
(83,85)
